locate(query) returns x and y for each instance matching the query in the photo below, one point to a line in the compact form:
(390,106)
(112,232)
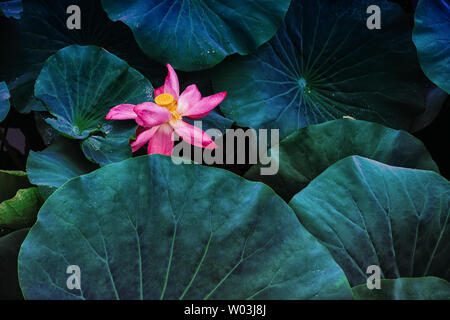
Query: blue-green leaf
(306,153)
(323,64)
(194,35)
(61,161)
(114,146)
(368,213)
(432,39)
(145,228)
(4,101)
(79,85)
(426,288)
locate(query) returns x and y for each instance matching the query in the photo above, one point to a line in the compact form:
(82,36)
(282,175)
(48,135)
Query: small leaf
(21,210)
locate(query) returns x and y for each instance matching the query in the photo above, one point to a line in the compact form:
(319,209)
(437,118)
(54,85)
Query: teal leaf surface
(368,213)
(426,288)
(305,154)
(4,101)
(432,39)
(323,64)
(9,251)
(145,228)
(193,35)
(60,162)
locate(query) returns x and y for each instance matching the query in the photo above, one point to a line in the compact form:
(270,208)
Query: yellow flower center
(166,100)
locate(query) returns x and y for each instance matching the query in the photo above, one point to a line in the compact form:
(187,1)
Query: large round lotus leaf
(368,213)
(426,288)
(323,64)
(146,228)
(4,101)
(432,39)
(194,35)
(9,250)
(305,154)
(79,85)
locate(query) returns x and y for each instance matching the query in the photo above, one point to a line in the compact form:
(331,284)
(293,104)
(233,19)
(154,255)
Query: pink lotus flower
(158,121)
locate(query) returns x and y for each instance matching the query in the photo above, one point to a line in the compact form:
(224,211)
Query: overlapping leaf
(368,213)
(19,201)
(61,161)
(305,154)
(21,210)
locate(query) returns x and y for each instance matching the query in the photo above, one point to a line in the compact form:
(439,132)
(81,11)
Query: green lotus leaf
(9,251)
(4,101)
(194,35)
(145,228)
(432,39)
(61,161)
(21,210)
(10,182)
(305,154)
(325,63)
(368,213)
(426,288)
(19,202)
(79,85)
